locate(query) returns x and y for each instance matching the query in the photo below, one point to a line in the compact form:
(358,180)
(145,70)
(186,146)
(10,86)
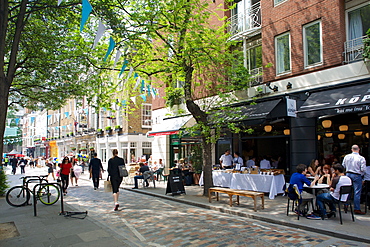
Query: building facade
(306,66)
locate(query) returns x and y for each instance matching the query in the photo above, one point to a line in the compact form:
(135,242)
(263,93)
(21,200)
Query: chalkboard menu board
(175,183)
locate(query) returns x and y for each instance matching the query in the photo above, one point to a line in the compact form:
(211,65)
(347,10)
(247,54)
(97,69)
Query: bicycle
(18,196)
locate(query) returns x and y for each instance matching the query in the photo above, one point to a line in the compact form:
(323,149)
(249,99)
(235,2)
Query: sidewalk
(19,226)
(274,212)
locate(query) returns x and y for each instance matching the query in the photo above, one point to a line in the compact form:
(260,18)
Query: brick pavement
(151,221)
(146,220)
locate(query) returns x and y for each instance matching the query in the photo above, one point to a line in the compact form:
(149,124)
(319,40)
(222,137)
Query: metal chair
(294,195)
(148,176)
(344,190)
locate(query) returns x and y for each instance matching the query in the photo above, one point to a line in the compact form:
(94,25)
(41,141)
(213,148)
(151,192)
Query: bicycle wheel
(48,194)
(17,196)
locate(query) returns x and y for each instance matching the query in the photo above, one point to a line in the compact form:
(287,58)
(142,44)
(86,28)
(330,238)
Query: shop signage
(291,107)
(164,133)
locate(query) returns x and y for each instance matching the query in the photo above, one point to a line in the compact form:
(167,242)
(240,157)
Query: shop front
(340,117)
(268,137)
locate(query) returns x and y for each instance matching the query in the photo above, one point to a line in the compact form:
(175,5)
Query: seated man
(338,181)
(299,178)
(143,168)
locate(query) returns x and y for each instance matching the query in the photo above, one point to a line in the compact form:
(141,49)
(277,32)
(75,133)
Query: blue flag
(86,10)
(112,44)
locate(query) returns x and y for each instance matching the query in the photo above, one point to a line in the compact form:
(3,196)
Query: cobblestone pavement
(150,221)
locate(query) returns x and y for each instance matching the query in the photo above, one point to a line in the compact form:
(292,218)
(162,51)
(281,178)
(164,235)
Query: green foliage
(108,128)
(3,183)
(117,127)
(173,96)
(366,52)
(99,130)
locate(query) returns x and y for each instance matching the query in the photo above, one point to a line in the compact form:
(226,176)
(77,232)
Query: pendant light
(328,134)
(341,136)
(358,133)
(268,128)
(343,127)
(365,120)
(326,124)
(287,132)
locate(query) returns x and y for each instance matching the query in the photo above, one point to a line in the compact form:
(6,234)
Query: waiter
(355,166)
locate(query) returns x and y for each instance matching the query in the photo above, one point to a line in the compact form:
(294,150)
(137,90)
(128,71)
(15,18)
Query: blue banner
(86,10)
(112,44)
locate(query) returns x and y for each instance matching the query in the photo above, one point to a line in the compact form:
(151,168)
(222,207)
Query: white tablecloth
(262,183)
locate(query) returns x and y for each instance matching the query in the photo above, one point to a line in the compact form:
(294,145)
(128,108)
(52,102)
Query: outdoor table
(272,184)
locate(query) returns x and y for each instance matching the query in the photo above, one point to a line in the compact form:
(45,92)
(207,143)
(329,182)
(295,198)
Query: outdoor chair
(348,189)
(294,195)
(148,176)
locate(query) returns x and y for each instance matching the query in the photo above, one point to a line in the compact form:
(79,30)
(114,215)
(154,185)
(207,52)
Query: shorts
(73,175)
(50,170)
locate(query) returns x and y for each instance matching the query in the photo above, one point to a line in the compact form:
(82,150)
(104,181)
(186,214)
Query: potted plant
(99,131)
(108,129)
(118,128)
(73,148)
(366,51)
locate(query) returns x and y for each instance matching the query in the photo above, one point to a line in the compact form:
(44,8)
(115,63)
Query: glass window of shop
(268,140)
(336,135)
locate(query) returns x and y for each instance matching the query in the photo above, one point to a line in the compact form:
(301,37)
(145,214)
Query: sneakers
(135,188)
(313,217)
(359,212)
(116,207)
(297,212)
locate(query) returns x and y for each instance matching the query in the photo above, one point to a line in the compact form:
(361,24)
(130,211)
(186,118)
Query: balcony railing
(245,22)
(353,50)
(256,77)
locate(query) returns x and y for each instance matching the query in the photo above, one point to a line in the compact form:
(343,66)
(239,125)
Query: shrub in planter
(3,183)
(366,52)
(108,128)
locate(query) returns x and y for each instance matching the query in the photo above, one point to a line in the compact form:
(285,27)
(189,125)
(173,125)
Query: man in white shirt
(355,166)
(339,180)
(265,164)
(226,160)
(251,162)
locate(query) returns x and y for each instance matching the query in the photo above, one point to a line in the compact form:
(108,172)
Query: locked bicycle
(20,195)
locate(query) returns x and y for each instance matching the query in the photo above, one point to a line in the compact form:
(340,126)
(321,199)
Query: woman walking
(65,170)
(114,175)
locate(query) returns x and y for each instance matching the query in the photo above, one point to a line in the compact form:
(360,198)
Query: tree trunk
(4,94)
(201,118)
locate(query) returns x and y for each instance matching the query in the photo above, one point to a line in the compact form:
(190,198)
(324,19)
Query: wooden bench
(237,193)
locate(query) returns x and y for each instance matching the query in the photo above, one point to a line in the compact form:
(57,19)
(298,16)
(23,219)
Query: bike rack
(35,197)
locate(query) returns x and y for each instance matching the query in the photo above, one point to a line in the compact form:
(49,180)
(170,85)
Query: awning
(169,126)
(337,101)
(251,114)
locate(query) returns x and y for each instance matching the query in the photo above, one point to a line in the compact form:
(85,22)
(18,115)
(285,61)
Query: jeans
(140,177)
(357,186)
(325,197)
(95,179)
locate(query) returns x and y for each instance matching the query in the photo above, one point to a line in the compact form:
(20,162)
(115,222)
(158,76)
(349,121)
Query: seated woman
(327,176)
(314,168)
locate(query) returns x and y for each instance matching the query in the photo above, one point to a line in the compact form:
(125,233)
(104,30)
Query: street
(144,220)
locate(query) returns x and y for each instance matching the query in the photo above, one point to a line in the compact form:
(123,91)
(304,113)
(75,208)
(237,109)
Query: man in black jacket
(143,168)
(95,167)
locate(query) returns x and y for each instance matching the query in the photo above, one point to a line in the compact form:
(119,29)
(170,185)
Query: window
(146,144)
(146,116)
(358,21)
(277,2)
(133,144)
(254,61)
(282,46)
(312,44)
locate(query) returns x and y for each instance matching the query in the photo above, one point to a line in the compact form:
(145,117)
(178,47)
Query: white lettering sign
(291,107)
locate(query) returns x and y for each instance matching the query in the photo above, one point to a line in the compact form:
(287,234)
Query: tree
(42,56)
(183,42)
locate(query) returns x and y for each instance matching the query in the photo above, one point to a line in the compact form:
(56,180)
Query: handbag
(107,186)
(122,171)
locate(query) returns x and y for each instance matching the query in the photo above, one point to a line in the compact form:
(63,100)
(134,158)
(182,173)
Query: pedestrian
(77,170)
(355,166)
(22,164)
(226,160)
(114,175)
(65,170)
(32,163)
(50,169)
(72,173)
(6,160)
(14,163)
(95,168)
